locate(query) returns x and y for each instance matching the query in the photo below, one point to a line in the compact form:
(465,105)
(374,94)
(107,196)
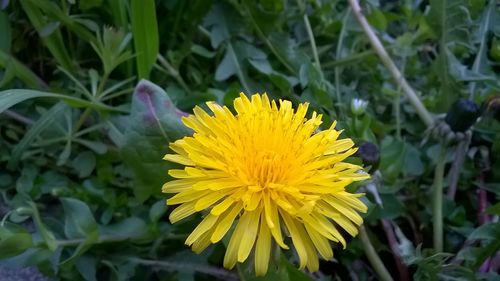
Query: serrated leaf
(153,123)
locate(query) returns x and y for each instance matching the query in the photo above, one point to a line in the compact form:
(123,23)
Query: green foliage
(145,33)
(81,151)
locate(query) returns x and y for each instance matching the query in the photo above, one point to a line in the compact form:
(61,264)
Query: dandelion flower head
(267,171)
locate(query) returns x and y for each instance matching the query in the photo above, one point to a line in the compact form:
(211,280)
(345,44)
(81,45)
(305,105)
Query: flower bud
(358,106)
(462,115)
(370,154)
(24,211)
(493,106)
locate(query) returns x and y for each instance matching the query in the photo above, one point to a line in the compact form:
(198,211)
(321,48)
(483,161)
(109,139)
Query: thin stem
(174,73)
(456,167)
(268,43)
(18,117)
(239,71)
(214,271)
(312,40)
(338,53)
(387,61)
(111,239)
(393,243)
(437,200)
(397,103)
(373,257)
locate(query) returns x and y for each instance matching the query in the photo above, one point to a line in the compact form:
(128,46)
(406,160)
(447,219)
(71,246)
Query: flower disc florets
(267,171)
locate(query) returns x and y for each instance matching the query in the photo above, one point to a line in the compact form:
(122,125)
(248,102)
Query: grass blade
(145,33)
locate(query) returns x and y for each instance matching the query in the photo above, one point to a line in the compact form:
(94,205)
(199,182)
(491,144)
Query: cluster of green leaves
(80,150)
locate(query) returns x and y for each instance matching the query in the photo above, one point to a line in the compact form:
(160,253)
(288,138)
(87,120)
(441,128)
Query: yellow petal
(249,235)
(210,199)
(206,224)
(202,242)
(225,223)
(230,258)
(179,159)
(262,248)
(320,242)
(181,212)
(187,196)
(297,239)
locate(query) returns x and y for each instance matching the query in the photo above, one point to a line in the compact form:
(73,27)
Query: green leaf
(86,265)
(20,71)
(157,210)
(89,4)
(281,270)
(54,42)
(490,231)
(494,210)
(392,157)
(10,98)
(84,163)
(145,34)
(46,120)
(451,22)
(153,123)
(78,219)
(132,228)
(79,222)
(15,245)
(46,234)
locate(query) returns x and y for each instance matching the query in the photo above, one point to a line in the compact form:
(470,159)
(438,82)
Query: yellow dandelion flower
(267,168)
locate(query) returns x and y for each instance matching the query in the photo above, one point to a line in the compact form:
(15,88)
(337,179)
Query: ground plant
(103,105)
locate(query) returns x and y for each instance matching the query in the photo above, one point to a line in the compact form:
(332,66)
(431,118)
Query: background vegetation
(81,170)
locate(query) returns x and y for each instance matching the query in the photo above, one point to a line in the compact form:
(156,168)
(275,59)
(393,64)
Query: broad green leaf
(490,231)
(129,228)
(494,210)
(154,122)
(79,221)
(87,265)
(145,35)
(392,157)
(84,163)
(15,244)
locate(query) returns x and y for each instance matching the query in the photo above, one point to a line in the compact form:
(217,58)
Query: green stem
(268,43)
(373,257)
(169,69)
(391,66)
(312,40)
(181,266)
(111,239)
(338,53)
(437,200)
